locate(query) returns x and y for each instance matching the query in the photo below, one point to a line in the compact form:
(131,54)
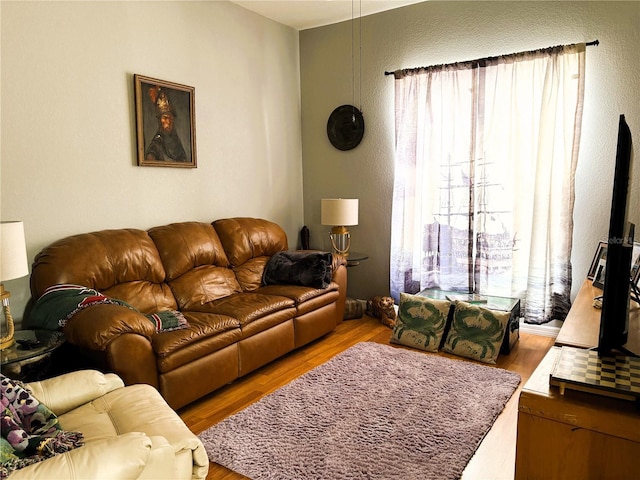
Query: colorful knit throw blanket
(30,431)
(59,303)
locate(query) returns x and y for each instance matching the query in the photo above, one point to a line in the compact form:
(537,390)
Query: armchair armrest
(66,392)
(95,327)
(119,458)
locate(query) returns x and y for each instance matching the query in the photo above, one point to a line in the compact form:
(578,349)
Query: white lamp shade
(339,211)
(13,249)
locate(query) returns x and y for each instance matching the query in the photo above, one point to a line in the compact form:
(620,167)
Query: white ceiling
(303,14)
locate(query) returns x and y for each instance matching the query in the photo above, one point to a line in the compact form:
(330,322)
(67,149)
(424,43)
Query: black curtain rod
(588,44)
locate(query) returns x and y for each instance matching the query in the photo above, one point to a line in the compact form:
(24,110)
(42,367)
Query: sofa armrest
(119,458)
(338,261)
(95,327)
(70,390)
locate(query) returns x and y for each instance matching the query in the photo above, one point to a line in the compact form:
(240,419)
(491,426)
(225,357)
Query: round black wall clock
(345,127)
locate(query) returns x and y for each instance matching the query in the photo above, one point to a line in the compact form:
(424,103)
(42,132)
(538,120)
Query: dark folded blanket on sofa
(309,269)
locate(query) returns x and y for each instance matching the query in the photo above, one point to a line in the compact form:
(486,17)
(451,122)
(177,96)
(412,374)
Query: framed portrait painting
(165,123)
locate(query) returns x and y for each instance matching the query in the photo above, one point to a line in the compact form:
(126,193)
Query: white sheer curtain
(486,153)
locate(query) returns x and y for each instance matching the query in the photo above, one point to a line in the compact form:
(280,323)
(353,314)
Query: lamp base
(7,340)
(340,240)
(10,342)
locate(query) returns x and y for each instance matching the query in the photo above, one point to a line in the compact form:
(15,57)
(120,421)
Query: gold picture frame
(165,123)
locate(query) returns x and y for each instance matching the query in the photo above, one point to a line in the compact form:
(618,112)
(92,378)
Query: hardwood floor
(494,459)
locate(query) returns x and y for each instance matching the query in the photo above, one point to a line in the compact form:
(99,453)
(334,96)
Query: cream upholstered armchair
(129,432)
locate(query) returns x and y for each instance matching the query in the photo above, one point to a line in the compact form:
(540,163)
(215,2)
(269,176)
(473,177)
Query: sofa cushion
(298,293)
(202,326)
(195,262)
(249,307)
(187,245)
(105,260)
(202,285)
(246,238)
(305,298)
(171,355)
(249,274)
(168,320)
(145,296)
(309,269)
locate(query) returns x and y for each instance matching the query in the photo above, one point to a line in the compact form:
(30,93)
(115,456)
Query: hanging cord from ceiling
(353,82)
(360,59)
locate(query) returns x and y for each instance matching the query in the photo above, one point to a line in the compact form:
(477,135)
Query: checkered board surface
(616,374)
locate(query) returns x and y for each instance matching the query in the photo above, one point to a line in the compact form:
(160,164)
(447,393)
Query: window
(486,153)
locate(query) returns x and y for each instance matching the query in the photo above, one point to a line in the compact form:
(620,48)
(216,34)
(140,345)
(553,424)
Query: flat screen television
(614,320)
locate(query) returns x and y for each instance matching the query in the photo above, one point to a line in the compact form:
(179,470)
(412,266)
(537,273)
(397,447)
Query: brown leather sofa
(212,273)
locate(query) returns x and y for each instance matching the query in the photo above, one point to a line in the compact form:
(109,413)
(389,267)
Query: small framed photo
(598,279)
(599,264)
(165,123)
(601,254)
(635,273)
(635,264)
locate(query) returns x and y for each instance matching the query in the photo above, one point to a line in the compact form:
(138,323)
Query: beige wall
(68,161)
(443,32)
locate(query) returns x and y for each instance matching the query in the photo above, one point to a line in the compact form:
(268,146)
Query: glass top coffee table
(30,353)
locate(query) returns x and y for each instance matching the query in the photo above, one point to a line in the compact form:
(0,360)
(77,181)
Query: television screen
(614,320)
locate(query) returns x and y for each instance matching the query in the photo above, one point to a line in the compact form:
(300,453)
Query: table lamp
(13,264)
(339,213)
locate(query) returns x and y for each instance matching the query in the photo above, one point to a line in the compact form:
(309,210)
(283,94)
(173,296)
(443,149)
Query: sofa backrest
(249,244)
(196,266)
(123,264)
(167,267)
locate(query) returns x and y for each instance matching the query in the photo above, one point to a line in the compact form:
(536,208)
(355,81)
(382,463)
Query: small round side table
(354,308)
(354,258)
(30,361)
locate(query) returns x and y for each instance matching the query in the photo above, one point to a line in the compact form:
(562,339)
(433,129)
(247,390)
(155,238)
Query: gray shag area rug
(371,412)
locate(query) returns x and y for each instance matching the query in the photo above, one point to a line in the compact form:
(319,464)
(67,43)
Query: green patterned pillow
(421,322)
(476,332)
